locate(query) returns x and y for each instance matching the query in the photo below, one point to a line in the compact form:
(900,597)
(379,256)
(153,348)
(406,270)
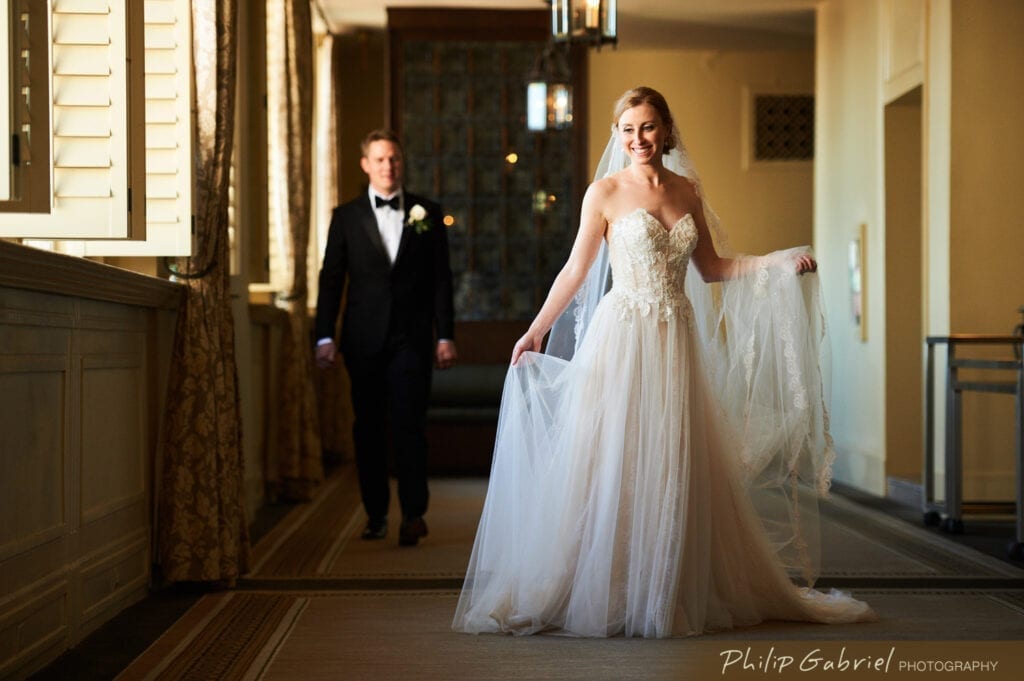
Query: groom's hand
(326,355)
(446,354)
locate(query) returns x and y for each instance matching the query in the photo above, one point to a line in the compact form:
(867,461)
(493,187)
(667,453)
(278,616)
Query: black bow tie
(393,202)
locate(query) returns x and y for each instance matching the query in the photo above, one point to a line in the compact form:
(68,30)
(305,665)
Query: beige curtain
(332,385)
(290,102)
(201,526)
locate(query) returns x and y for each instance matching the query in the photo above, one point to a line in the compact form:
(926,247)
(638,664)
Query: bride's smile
(642,133)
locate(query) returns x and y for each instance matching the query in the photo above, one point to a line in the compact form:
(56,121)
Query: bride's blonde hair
(646,95)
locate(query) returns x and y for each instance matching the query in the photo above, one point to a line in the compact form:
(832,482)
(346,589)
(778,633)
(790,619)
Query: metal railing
(952,504)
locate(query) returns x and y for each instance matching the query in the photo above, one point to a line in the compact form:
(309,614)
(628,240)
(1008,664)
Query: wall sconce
(591,22)
(548,93)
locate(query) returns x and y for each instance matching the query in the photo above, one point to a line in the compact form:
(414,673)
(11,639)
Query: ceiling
(694,24)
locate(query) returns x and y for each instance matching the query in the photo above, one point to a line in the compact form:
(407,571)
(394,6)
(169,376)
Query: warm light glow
(537,106)
(540,201)
(449,220)
(593,14)
(559,105)
(512,157)
(586,21)
(543,201)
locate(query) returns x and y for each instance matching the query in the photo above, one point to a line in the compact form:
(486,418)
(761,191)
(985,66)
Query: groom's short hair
(386,134)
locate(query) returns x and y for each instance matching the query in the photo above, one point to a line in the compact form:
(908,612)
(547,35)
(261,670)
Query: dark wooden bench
(462,417)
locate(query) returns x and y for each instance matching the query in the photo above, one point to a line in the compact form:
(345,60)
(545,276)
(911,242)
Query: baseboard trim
(903,491)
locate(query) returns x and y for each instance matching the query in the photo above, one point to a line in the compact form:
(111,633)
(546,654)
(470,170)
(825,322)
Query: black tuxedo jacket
(410,299)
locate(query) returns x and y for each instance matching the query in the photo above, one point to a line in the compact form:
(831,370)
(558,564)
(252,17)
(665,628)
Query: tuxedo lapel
(406,231)
(369,222)
(409,201)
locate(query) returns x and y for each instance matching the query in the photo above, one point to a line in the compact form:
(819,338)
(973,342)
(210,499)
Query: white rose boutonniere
(418,219)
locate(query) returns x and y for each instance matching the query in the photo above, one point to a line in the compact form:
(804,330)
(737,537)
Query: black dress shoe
(411,531)
(376,528)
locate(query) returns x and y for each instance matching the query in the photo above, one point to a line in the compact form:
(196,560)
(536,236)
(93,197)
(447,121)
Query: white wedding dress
(616,502)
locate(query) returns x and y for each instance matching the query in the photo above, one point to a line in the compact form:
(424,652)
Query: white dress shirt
(389,222)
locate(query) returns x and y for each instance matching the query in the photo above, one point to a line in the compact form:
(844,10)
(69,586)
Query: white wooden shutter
(94,94)
(168,135)
(25,67)
(5,118)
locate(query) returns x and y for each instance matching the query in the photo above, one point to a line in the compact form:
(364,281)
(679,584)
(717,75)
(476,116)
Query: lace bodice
(649,263)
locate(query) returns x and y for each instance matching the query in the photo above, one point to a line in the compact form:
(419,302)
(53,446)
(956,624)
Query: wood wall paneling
(32,451)
(34,626)
(112,473)
(112,577)
(84,352)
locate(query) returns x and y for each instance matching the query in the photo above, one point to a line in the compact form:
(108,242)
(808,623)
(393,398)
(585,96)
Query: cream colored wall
(937,107)
(763,209)
(970,60)
(936,186)
(848,191)
(986,239)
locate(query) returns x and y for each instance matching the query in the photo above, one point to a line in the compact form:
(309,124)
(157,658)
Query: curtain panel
(332,385)
(201,531)
(299,468)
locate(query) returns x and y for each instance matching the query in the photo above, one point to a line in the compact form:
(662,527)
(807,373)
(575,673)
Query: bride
(655,473)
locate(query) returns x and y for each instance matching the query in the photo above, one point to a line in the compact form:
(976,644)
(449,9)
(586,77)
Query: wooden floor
(322,604)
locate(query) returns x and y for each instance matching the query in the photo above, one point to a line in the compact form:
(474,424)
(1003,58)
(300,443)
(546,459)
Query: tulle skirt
(615,504)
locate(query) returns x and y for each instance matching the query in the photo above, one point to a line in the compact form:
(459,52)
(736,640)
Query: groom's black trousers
(389,396)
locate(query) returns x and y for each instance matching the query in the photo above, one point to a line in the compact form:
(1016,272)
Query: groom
(391,247)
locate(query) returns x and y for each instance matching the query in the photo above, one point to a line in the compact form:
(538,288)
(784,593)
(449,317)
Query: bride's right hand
(805,262)
(528,343)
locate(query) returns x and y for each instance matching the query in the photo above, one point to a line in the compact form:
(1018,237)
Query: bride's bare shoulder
(608,183)
(683,187)
(681,181)
(608,186)
(601,190)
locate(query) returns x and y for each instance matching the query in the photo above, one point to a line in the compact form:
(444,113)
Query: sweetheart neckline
(667,230)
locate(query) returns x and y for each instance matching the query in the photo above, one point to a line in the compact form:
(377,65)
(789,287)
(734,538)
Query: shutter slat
(162,160)
(160,37)
(84,153)
(81,29)
(81,6)
(161,112)
(82,60)
(161,186)
(72,91)
(161,62)
(162,87)
(82,183)
(162,211)
(80,122)
(160,12)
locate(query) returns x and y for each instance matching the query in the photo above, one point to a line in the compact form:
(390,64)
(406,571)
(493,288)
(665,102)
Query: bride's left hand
(805,262)
(528,343)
